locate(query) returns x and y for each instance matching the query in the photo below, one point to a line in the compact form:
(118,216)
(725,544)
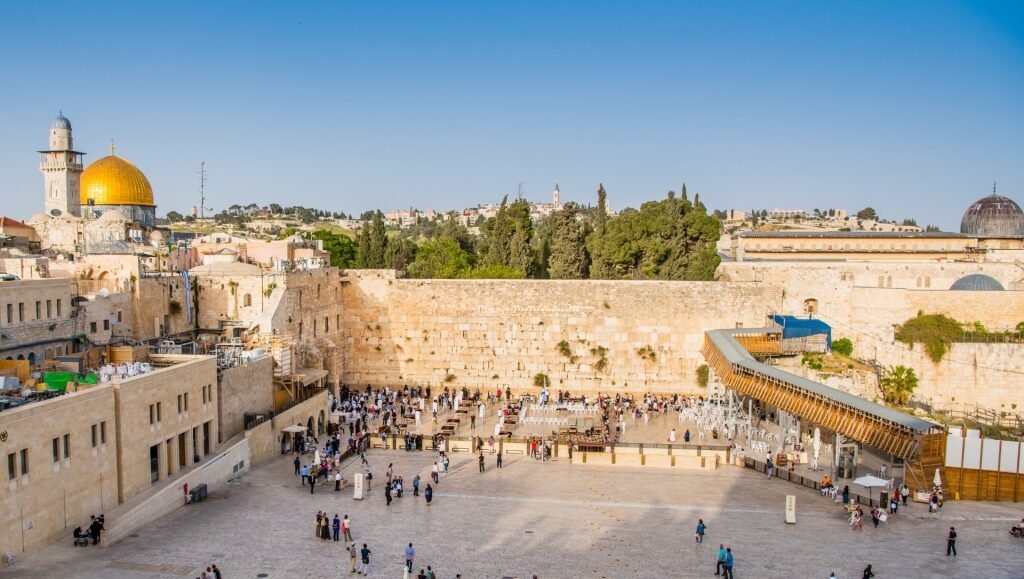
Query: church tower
(61,166)
(556,197)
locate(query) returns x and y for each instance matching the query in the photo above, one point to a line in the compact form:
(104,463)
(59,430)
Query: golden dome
(114,181)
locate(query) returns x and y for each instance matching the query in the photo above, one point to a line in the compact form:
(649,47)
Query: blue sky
(913,108)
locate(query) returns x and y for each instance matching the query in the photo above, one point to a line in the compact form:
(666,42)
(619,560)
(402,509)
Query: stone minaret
(557,197)
(61,166)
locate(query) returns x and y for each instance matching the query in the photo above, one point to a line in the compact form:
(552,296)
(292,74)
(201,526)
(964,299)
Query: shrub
(843,346)
(175,306)
(702,375)
(541,380)
(935,331)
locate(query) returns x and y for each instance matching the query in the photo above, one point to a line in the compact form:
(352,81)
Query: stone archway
(309,426)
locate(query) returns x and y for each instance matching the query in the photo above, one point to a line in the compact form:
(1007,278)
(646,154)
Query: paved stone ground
(556,520)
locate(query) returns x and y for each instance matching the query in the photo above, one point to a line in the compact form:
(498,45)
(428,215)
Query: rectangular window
(92,327)
(119,316)
(300,330)
(10,313)
(186,402)
(152,414)
(314,328)
(106,324)
(103,432)
(180,406)
(21,311)
(12,466)
(327,325)
(67,446)
(39,310)
(95,435)
(59,308)
(24,461)
(56,450)
(49,309)
(158,409)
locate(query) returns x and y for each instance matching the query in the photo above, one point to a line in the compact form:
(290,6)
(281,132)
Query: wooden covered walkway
(731,354)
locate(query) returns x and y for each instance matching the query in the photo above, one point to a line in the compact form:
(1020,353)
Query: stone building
(87,452)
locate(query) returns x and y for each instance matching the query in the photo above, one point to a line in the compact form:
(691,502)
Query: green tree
(569,258)
(400,253)
(174,216)
(340,246)
(599,269)
(898,385)
(668,239)
(376,257)
(363,247)
(454,230)
(867,214)
(441,259)
(494,272)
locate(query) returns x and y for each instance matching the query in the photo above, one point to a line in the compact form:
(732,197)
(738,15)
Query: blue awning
(794,327)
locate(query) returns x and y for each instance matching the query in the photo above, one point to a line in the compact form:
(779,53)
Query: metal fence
(803,481)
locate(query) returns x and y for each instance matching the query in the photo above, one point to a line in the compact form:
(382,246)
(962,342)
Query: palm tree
(898,384)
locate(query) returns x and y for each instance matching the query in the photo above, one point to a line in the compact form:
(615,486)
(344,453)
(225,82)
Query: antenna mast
(202,190)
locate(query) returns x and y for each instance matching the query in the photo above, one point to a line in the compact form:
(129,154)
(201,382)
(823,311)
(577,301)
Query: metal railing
(803,481)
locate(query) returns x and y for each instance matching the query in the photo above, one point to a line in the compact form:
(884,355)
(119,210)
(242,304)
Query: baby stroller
(81,538)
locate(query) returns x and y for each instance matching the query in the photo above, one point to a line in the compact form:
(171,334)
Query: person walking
(729,562)
(868,573)
(337,481)
(387,494)
(297,464)
(433,472)
(428,494)
(336,527)
(364,565)
(369,479)
(770,467)
(481,462)
(905,494)
(416,485)
(325,528)
(701,527)
(353,555)
(410,556)
(720,561)
(951,542)
(346,529)
(499,458)
(312,483)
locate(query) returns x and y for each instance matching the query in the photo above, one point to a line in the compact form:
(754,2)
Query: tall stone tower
(556,197)
(61,166)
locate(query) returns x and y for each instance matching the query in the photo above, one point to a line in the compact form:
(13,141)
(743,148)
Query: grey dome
(61,122)
(977,282)
(993,216)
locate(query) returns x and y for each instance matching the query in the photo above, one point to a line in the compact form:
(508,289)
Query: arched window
(247,300)
(811,306)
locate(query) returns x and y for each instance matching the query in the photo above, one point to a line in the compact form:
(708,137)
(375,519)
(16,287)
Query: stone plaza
(551,520)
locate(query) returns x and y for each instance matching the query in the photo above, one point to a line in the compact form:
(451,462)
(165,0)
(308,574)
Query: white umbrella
(817,446)
(937,479)
(870,481)
(295,428)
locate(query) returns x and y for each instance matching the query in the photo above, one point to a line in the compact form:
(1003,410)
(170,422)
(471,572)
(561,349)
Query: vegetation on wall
(935,331)
(540,380)
(702,375)
(647,353)
(174,306)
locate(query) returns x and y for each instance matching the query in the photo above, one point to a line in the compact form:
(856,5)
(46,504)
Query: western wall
(479,333)
(624,335)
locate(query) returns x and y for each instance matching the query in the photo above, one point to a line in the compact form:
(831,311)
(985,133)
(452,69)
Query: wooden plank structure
(920,443)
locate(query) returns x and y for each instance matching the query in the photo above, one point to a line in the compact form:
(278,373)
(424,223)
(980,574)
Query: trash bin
(883,499)
(198,493)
